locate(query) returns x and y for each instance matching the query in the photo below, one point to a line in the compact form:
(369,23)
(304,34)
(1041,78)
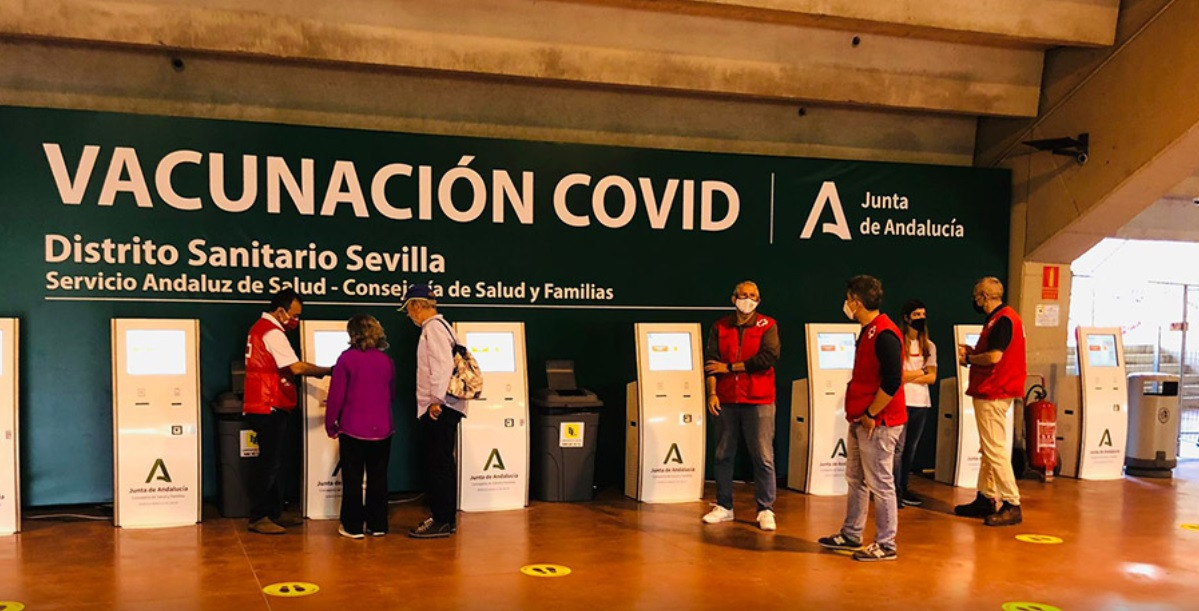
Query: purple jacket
(360,395)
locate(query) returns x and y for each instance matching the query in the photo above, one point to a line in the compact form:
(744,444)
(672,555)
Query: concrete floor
(1123,548)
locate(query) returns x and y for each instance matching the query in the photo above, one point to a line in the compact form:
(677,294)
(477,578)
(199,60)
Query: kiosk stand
(818,426)
(664,450)
(1099,440)
(322,341)
(493,443)
(156,422)
(10,447)
(959,452)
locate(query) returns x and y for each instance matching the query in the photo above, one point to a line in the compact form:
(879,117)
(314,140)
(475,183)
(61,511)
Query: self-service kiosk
(664,449)
(1094,448)
(493,443)
(818,426)
(10,448)
(958,448)
(156,422)
(322,341)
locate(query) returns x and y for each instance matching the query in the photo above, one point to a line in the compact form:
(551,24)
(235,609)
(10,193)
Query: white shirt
(435,365)
(277,344)
(917,395)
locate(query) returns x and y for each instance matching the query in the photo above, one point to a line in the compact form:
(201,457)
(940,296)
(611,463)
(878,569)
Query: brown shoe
(290,518)
(1008,515)
(266,526)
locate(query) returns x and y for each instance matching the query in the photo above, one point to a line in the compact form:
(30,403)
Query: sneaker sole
(430,535)
(876,559)
(721,521)
(842,548)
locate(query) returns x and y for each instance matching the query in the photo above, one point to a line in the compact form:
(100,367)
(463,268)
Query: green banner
(109,215)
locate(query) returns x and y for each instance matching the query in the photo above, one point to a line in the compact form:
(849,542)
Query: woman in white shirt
(919,373)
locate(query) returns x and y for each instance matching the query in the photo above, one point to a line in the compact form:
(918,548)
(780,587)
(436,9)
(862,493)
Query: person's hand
(869,424)
(713,404)
(963,352)
(434,411)
(333,434)
(717,367)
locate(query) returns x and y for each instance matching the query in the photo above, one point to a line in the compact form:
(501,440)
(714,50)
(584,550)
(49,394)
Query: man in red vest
(997,374)
(877,411)
(739,355)
(268,404)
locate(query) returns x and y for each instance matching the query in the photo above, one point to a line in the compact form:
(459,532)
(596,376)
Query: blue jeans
(868,470)
(757,422)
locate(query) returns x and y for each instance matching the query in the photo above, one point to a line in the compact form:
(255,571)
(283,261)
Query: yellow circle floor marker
(1019,606)
(545,570)
(1194,527)
(292,589)
(1042,539)
(8,605)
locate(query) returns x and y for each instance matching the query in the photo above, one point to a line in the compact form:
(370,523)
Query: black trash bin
(238,447)
(565,435)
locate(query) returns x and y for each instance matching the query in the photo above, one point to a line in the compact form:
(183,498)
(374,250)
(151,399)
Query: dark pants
(359,456)
(905,450)
(266,489)
(441,468)
(756,422)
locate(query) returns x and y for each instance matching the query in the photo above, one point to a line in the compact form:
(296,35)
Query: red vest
(1005,379)
(867,377)
(756,387)
(267,386)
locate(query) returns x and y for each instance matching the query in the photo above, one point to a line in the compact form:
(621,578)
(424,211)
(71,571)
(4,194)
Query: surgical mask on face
(917,324)
(977,308)
(847,310)
(746,305)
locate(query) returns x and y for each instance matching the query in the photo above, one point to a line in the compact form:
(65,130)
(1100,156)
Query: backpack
(466,382)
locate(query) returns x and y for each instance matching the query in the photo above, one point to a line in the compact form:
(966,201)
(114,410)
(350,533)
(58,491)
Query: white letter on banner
(706,222)
(344,173)
(658,213)
(522,202)
(71,190)
(162,179)
(445,192)
(124,160)
(216,183)
(600,194)
(560,191)
(278,173)
(828,195)
(379,191)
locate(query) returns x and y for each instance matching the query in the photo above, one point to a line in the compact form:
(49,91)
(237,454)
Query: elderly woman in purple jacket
(359,418)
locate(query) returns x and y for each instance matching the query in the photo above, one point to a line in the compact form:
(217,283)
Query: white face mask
(746,305)
(845,309)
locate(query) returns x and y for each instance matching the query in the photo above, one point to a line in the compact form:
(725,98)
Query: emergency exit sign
(1051,281)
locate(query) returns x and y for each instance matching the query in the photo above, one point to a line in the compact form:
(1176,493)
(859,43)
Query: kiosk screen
(495,352)
(972,339)
(155,352)
(669,351)
(1101,350)
(836,350)
(329,346)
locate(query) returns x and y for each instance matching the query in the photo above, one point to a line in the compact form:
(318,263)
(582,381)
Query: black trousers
(909,441)
(266,485)
(441,467)
(360,456)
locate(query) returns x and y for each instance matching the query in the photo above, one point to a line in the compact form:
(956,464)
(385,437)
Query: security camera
(1195,201)
(1081,158)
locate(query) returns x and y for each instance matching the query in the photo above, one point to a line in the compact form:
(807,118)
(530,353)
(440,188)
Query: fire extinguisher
(1040,431)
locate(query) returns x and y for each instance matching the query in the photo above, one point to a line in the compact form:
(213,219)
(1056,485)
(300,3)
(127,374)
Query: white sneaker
(718,514)
(766,520)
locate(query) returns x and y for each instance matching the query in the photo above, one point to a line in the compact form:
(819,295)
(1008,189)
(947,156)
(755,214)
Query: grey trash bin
(565,435)
(1153,425)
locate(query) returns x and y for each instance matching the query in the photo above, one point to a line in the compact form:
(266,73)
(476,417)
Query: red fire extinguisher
(1040,431)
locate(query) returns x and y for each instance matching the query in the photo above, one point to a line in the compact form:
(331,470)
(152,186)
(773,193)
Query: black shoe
(875,553)
(980,507)
(840,542)
(430,529)
(911,499)
(376,533)
(1008,515)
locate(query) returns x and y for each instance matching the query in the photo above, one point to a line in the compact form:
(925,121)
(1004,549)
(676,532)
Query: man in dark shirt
(739,362)
(876,410)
